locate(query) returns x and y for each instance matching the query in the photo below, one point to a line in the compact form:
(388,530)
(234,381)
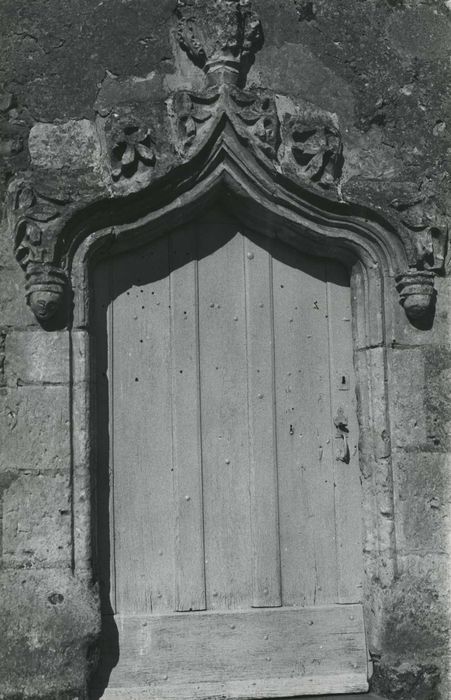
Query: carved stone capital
(417,295)
(219,36)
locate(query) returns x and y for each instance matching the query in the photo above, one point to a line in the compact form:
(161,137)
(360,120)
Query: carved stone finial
(417,295)
(219,36)
(46,289)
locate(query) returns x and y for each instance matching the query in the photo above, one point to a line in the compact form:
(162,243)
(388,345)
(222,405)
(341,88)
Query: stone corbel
(417,296)
(427,228)
(46,290)
(36,221)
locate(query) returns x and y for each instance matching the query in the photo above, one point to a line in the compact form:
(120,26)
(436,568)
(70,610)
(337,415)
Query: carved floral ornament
(293,157)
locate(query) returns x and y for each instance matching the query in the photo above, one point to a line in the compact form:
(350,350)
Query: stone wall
(382,68)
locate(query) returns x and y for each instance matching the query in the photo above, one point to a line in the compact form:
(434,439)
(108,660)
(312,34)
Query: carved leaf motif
(129,155)
(25,197)
(116,170)
(316,148)
(43,212)
(258,112)
(30,237)
(147,154)
(131,144)
(191,111)
(34,233)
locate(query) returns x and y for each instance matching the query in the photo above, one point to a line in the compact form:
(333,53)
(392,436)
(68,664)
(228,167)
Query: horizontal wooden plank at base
(241,690)
(272,652)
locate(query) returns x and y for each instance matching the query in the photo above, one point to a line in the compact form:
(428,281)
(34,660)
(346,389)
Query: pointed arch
(264,202)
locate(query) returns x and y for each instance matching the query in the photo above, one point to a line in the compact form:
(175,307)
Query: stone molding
(296,156)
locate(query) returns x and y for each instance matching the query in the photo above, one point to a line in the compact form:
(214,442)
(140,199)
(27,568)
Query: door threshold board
(354,696)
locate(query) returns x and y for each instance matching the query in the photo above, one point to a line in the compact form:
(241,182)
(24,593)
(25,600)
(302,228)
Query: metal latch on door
(341,437)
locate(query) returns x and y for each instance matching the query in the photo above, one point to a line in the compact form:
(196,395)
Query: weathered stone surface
(37,520)
(49,621)
(408,412)
(15,312)
(330,92)
(37,357)
(422,501)
(73,145)
(420,413)
(34,428)
(416,631)
(61,49)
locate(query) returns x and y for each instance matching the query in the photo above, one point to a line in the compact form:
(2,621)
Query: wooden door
(234,556)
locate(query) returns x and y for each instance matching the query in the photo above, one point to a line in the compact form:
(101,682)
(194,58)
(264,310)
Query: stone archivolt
(303,147)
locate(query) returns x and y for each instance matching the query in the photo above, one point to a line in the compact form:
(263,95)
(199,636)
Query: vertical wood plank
(189,566)
(225,445)
(307,518)
(142,432)
(262,437)
(347,482)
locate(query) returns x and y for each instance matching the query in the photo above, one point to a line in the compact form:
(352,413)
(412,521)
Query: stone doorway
(229,500)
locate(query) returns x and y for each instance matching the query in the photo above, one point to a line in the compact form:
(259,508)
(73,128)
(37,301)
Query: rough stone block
(422,483)
(407,401)
(13,305)
(411,663)
(437,393)
(34,428)
(70,146)
(36,520)
(49,621)
(432,567)
(34,357)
